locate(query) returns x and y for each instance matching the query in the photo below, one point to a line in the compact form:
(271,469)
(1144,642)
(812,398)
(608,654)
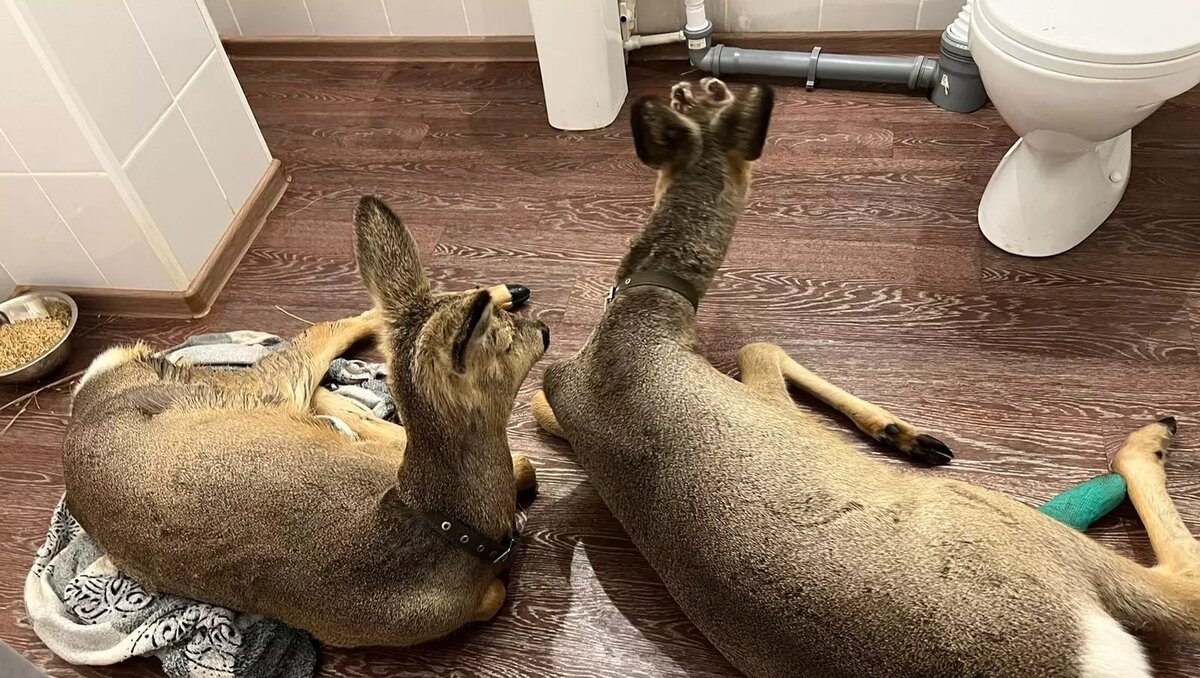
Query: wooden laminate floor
(858,252)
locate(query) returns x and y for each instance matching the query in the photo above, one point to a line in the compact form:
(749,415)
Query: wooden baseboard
(522,48)
(246,225)
(335,48)
(198,298)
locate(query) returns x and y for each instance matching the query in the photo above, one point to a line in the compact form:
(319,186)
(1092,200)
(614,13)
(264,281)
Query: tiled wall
(511,17)
(126,145)
(766,16)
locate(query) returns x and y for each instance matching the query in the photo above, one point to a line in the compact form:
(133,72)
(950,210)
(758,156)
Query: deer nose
(519,295)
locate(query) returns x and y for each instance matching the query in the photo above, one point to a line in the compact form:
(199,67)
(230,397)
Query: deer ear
(476,321)
(747,121)
(661,136)
(387,256)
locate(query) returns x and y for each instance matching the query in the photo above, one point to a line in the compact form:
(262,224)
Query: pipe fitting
(924,73)
(700,47)
(639,41)
(958,86)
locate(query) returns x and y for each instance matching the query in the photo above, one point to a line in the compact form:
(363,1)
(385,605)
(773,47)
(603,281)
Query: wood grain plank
(1194,312)
(989,138)
(853,312)
(464,81)
(1089,275)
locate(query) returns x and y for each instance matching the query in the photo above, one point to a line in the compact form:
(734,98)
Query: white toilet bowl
(1072,78)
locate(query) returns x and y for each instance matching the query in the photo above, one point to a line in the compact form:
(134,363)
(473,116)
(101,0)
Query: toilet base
(1039,203)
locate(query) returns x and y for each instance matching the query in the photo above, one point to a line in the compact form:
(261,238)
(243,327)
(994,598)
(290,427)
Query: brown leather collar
(662,279)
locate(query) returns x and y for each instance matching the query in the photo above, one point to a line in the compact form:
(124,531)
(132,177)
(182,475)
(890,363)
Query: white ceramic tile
(177,35)
(9,160)
(37,122)
(174,182)
(342,17)
(498,17)
(109,66)
(937,14)
(717,12)
(103,225)
(426,17)
(228,136)
(6,283)
(766,16)
(661,16)
(36,247)
(273,17)
(868,15)
(657,16)
(222,17)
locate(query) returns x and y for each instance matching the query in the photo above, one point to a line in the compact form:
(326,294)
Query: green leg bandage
(1087,502)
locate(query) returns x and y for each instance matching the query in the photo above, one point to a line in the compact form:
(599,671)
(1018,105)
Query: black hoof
(519,294)
(932,451)
(926,449)
(1170,423)
(526,496)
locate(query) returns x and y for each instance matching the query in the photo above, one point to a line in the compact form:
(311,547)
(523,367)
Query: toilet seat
(1125,40)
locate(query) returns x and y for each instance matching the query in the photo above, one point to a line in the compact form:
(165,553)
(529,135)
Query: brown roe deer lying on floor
(226,488)
(793,553)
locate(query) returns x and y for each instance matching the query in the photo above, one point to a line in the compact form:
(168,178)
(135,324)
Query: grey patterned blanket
(88,613)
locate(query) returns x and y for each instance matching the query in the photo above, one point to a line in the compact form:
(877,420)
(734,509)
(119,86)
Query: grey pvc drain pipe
(951,82)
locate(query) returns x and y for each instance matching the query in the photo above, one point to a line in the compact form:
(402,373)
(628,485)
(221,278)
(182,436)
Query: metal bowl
(36,305)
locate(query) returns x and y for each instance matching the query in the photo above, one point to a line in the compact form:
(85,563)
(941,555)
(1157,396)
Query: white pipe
(639,41)
(696,20)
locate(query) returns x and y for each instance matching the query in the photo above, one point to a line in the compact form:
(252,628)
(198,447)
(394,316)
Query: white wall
(253,18)
(126,145)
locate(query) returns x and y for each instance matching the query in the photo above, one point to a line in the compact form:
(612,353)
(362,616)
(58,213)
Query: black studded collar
(470,540)
(662,279)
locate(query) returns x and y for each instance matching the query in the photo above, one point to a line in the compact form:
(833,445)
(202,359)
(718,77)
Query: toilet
(1072,78)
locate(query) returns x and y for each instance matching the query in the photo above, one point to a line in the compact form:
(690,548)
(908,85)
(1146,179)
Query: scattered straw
(14,419)
(292,315)
(460,108)
(58,382)
(317,200)
(24,400)
(101,323)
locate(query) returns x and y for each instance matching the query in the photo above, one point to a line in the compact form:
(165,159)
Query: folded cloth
(225,350)
(364,382)
(87,612)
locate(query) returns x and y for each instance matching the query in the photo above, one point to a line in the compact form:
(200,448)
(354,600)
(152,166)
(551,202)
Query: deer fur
(797,556)
(226,487)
